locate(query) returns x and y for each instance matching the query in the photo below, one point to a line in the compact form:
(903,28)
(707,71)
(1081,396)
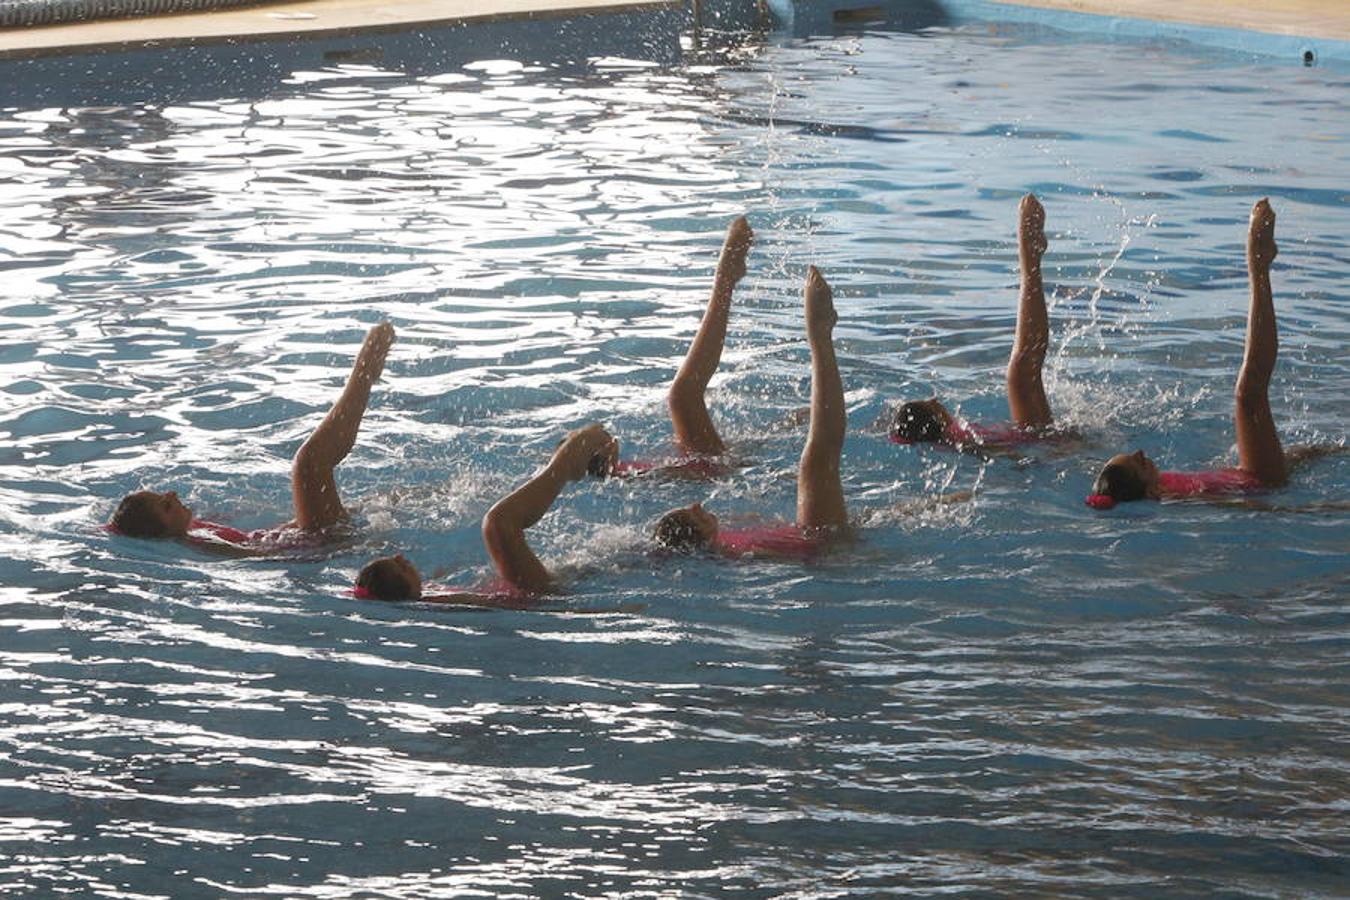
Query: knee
(1026,363)
(682,392)
(1251,393)
(820,460)
(306,464)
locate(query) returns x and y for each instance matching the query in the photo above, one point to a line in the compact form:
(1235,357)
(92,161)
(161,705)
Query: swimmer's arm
(988,451)
(478,601)
(225,549)
(504,530)
(1302,453)
(920,505)
(313,489)
(1259,505)
(915,506)
(500,601)
(505,523)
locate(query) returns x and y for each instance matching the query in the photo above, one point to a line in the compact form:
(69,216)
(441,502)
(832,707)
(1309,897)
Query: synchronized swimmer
(929,421)
(1262,462)
(317,505)
(700,446)
(822,514)
(522,578)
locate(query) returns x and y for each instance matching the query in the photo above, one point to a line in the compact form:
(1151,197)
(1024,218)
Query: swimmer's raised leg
(694,429)
(1027,403)
(1259,450)
(313,488)
(820,494)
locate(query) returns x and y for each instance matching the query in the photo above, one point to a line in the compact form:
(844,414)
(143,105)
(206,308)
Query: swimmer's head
(1126,477)
(390,578)
(600,466)
(686,529)
(920,421)
(150,514)
(602,463)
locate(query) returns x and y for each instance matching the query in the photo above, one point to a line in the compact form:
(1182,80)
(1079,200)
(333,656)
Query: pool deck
(1328,19)
(298,19)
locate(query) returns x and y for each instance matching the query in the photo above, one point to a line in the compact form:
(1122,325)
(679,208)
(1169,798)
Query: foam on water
(1010,695)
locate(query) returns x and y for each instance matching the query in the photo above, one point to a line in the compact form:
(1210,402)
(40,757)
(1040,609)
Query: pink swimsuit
(960,434)
(269,540)
(1212,483)
(778,541)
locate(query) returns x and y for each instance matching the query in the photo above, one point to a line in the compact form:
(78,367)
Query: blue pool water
(1007,697)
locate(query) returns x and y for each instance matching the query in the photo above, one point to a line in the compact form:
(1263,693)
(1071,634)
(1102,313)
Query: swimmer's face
(176,515)
(163,512)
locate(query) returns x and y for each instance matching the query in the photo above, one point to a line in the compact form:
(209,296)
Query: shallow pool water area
(1015,695)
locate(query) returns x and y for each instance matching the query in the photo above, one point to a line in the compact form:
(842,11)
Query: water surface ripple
(1014,696)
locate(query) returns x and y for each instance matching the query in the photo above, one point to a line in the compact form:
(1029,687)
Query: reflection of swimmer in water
(696,436)
(1262,462)
(152,514)
(522,577)
(929,421)
(821,512)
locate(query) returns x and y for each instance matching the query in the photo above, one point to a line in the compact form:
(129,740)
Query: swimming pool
(1012,696)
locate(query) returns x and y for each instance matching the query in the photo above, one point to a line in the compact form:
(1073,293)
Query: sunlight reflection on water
(1013,695)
